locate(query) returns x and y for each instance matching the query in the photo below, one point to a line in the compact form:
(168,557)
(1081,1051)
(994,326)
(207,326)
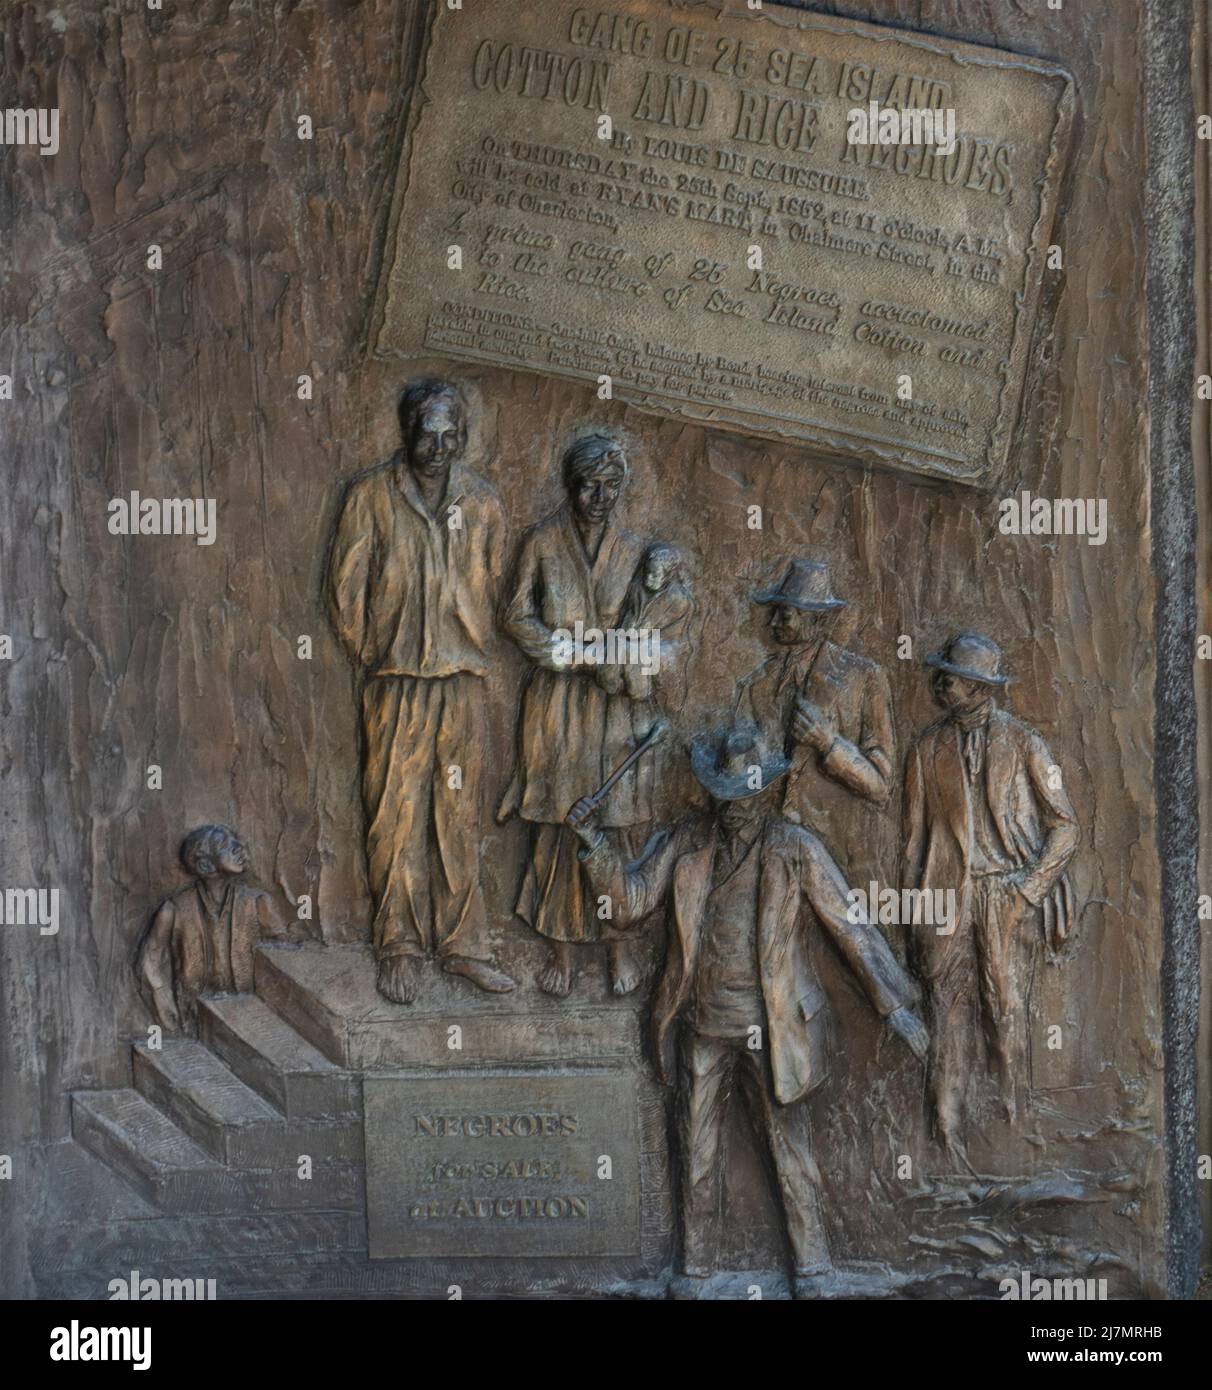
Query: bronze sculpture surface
(591,382)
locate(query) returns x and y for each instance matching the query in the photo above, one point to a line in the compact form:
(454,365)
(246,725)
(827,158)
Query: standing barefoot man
(412,582)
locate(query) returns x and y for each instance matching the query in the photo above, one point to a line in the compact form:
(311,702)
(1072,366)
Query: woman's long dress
(571,732)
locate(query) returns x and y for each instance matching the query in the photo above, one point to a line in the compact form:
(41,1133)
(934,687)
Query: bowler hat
(805,586)
(729,761)
(971,655)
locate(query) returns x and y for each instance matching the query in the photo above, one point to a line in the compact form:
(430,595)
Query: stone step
(328,994)
(214,1107)
(169,1169)
(229,1119)
(271,1057)
(93,1245)
(143,1146)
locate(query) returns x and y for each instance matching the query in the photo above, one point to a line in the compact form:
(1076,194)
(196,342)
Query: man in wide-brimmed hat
(831,711)
(748,890)
(987,816)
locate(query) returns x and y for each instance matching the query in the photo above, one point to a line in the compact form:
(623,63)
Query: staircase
(220,1124)
(217,1125)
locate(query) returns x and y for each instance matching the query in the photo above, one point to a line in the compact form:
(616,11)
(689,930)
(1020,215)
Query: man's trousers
(977,1002)
(425,742)
(711,1069)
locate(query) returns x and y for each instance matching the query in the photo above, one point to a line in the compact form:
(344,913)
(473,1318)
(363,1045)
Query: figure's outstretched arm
(634,890)
(862,945)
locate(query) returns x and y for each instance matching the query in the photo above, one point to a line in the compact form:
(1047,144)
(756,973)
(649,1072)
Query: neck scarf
(973,725)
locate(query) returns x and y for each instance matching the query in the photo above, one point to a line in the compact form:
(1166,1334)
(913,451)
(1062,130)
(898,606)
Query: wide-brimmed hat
(971,655)
(805,586)
(729,761)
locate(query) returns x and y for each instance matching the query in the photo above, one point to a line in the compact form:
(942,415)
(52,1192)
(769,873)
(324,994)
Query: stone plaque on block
(506,1164)
(704,206)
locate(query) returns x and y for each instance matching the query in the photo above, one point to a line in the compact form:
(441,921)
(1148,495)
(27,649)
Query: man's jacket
(411,594)
(799,887)
(1030,810)
(834,796)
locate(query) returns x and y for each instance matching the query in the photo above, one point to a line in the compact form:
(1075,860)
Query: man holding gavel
(748,888)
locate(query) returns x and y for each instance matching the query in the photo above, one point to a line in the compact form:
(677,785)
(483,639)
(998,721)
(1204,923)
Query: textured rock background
(178,128)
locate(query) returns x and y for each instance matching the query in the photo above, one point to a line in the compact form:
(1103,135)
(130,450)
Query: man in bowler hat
(987,816)
(747,889)
(831,712)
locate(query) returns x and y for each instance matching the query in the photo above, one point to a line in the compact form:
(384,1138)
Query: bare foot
(626,973)
(397,979)
(480,973)
(556,975)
